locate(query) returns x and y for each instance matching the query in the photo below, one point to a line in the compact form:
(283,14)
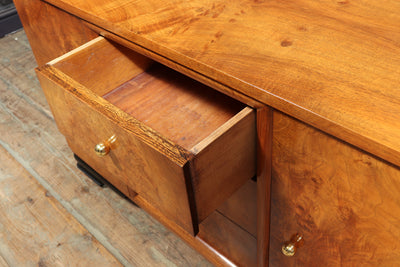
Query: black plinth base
(96,177)
(92,174)
(9,20)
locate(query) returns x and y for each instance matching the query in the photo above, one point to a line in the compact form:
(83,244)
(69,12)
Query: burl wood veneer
(343,201)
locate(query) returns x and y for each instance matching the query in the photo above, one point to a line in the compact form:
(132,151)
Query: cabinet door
(344,202)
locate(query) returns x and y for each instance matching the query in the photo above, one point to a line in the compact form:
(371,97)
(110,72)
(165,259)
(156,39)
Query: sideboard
(263,133)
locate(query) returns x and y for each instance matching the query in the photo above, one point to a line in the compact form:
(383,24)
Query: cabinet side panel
(344,202)
(51,32)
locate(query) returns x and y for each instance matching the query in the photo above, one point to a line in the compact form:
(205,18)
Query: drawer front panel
(130,162)
(344,202)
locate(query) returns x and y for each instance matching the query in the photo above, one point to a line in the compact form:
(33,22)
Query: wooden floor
(50,213)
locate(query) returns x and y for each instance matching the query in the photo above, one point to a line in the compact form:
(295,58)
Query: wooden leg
(264,154)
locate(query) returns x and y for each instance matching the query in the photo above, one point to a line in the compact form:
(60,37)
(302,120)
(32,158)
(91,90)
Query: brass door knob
(289,248)
(101,149)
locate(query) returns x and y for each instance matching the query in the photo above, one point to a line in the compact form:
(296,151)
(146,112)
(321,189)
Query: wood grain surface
(185,187)
(344,202)
(224,162)
(90,100)
(333,64)
(131,162)
(122,65)
(36,230)
(174,105)
(178,67)
(28,132)
(3,262)
(149,92)
(51,31)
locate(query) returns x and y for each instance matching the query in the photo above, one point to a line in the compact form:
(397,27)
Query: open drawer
(180,145)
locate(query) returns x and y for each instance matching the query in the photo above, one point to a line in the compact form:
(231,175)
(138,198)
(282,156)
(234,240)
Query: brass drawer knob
(102,149)
(289,248)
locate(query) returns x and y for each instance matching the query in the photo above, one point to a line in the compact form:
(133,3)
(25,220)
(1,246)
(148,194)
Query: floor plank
(35,230)
(3,262)
(29,134)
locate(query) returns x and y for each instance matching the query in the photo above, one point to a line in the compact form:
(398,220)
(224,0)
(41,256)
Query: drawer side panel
(222,165)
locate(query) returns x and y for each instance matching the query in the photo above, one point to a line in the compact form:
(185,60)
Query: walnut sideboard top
(334,64)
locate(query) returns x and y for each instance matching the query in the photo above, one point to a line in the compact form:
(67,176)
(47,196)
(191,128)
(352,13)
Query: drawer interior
(180,108)
(181,146)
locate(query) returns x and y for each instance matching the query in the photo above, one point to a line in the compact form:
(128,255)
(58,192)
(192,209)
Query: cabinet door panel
(344,202)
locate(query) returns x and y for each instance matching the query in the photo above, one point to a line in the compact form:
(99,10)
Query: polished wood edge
(76,50)
(178,67)
(255,96)
(221,130)
(152,138)
(224,260)
(264,169)
(202,247)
